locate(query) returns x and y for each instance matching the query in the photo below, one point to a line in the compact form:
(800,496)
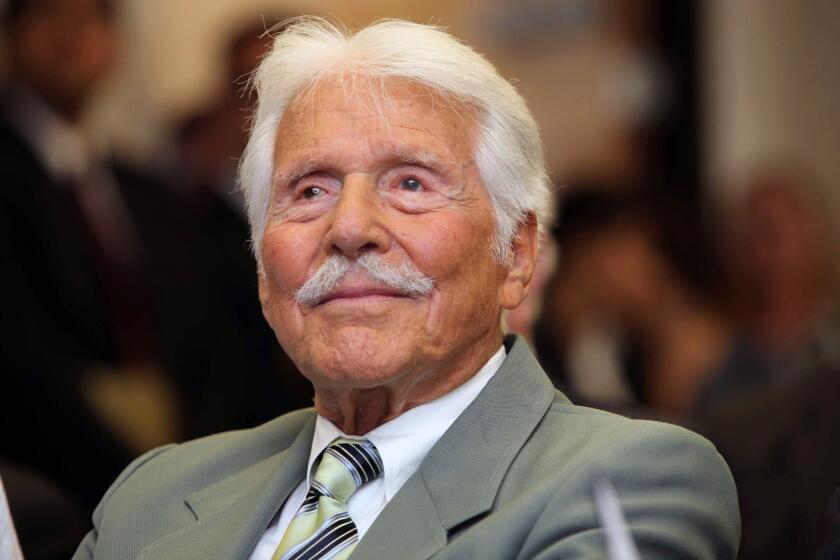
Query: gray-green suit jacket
(510,479)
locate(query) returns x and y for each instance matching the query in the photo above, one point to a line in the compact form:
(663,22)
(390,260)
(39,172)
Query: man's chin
(362,357)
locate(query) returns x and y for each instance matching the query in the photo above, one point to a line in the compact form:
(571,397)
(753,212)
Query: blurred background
(691,274)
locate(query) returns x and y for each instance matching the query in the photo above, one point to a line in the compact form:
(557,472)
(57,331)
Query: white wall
(172,50)
(773,88)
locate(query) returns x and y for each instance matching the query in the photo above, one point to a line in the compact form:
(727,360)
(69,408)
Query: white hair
(405,277)
(508,151)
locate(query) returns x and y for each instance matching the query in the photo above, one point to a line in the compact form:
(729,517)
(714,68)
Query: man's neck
(357,411)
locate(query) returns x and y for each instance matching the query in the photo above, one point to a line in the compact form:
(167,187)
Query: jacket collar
(233,513)
(460,477)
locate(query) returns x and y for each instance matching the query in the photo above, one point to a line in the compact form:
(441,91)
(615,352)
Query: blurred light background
(763,75)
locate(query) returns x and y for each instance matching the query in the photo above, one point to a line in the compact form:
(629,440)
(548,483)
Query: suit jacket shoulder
(161,495)
(212,458)
(512,478)
(675,491)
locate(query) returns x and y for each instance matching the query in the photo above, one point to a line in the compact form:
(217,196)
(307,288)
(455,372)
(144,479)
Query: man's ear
(523,259)
(262,285)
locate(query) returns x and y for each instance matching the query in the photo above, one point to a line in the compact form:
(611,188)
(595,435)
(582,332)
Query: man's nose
(356,220)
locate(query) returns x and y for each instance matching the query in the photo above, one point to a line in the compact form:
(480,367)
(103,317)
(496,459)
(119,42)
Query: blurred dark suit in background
(831,548)
(58,275)
(127,320)
(781,444)
(209,143)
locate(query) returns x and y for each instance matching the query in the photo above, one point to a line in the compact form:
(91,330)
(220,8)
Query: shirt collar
(404,441)
(62,147)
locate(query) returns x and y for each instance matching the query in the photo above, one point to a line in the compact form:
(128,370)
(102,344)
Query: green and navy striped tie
(322,528)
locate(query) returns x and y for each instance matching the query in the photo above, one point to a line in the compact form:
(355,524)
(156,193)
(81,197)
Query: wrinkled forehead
(392,110)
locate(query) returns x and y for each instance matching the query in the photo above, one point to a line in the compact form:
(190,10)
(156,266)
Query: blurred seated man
(395,186)
(779,430)
(638,284)
(781,443)
(786,263)
(831,547)
(81,241)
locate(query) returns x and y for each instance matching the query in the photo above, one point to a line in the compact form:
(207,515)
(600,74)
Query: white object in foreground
(9,546)
(620,544)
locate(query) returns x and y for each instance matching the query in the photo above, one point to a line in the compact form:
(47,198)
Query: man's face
(62,48)
(394,179)
(780,241)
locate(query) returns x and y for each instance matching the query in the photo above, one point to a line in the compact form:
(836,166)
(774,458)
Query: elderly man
(395,185)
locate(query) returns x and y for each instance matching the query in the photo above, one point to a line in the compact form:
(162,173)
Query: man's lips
(359,292)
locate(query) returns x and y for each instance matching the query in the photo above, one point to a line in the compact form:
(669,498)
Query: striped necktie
(322,528)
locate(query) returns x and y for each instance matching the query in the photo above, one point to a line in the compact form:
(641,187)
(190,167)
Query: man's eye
(411,184)
(312,192)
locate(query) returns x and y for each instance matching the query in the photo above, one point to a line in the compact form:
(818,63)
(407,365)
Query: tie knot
(345,465)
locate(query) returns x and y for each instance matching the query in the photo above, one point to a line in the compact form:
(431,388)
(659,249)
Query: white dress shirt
(402,443)
(63,148)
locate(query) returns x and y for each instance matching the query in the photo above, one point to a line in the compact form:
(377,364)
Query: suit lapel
(233,513)
(408,528)
(461,475)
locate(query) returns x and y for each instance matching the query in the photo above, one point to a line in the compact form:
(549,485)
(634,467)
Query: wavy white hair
(508,150)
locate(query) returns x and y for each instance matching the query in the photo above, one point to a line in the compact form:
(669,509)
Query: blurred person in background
(785,262)
(831,547)
(635,314)
(70,248)
(79,359)
(211,139)
(209,143)
(108,328)
(113,339)
(779,430)
(89,249)
(641,318)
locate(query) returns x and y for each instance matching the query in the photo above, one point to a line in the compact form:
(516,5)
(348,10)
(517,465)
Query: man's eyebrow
(405,157)
(296,173)
(424,159)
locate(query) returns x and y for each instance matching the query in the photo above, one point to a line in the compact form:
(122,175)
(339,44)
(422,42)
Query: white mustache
(405,278)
